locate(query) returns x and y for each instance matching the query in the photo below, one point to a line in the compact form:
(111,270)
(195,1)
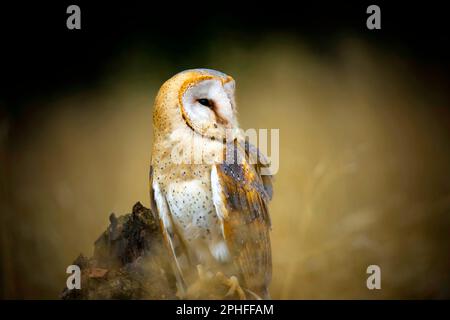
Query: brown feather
(247,222)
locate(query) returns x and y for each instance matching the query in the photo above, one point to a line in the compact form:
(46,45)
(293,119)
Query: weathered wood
(130,261)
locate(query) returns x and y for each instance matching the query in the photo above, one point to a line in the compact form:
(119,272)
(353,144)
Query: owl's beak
(220,118)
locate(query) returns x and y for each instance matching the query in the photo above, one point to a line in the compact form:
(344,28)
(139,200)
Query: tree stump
(130,261)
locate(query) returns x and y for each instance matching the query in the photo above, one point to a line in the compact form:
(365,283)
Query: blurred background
(364,121)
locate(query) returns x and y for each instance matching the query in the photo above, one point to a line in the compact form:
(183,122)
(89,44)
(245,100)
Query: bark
(130,261)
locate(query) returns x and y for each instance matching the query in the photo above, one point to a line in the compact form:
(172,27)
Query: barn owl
(212,211)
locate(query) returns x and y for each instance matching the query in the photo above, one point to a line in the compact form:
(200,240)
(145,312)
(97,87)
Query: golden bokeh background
(364,173)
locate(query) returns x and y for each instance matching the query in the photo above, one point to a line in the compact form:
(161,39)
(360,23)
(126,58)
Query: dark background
(40,55)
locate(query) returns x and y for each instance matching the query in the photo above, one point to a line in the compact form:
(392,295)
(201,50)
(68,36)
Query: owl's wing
(161,211)
(241,195)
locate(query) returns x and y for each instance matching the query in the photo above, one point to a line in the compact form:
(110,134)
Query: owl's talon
(234,285)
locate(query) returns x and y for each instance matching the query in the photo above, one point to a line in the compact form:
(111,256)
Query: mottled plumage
(212,211)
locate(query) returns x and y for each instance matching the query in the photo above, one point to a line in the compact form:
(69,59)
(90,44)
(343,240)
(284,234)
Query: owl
(206,186)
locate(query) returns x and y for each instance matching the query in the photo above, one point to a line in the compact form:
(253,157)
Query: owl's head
(199,100)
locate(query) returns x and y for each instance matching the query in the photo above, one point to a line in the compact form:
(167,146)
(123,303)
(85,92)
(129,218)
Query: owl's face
(204,103)
(207,105)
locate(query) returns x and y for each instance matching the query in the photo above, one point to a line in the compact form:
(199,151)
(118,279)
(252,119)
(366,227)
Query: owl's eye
(205,102)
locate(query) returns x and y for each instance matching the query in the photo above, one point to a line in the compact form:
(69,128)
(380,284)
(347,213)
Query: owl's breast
(187,189)
(192,208)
